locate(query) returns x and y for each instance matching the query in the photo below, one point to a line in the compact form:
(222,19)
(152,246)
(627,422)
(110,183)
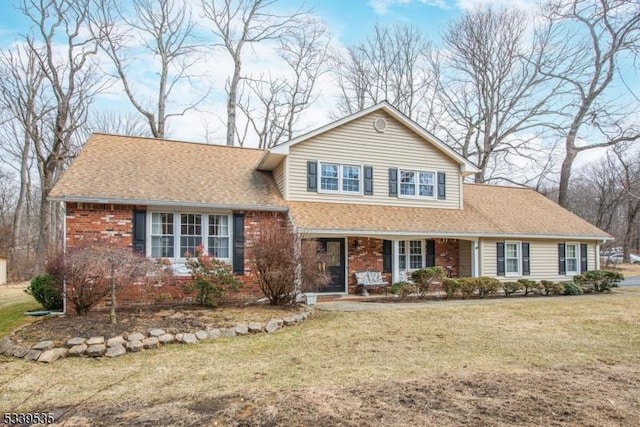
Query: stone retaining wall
(46,351)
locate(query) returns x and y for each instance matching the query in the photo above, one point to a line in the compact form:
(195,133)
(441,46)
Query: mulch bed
(173,319)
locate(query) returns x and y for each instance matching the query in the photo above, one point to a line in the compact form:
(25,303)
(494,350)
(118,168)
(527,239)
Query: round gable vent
(380,125)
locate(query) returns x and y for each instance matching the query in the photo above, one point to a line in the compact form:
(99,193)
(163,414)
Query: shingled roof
(135,170)
(488,211)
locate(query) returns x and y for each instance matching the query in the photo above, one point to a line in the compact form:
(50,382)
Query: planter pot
(311,299)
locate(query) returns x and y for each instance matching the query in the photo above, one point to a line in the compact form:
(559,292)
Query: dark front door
(334,250)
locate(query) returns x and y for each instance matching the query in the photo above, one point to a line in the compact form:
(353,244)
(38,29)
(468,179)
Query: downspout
(64,251)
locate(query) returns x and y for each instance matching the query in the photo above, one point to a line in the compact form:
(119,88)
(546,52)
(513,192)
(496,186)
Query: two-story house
(378,191)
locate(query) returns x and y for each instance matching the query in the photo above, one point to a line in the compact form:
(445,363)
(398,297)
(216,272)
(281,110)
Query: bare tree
(64,52)
(165,30)
(592,38)
(114,122)
(392,65)
(630,183)
(237,23)
(491,88)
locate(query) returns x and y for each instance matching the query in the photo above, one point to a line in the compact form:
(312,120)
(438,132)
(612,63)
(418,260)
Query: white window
(417,184)
(411,254)
(174,234)
(571,257)
(512,258)
(336,178)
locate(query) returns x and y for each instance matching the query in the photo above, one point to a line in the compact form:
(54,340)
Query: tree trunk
(44,235)
(231,102)
(565,172)
(18,256)
(112,311)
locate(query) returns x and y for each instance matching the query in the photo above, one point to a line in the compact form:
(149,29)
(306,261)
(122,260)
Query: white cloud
(517,4)
(383,7)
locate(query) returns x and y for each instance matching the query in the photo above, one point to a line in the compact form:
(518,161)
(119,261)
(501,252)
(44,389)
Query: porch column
(475,258)
(395,273)
(597,249)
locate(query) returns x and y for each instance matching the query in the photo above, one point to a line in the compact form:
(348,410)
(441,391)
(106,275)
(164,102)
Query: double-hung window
(411,254)
(571,256)
(417,184)
(337,178)
(512,258)
(174,234)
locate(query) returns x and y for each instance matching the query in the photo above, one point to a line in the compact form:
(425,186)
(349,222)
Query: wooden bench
(370,280)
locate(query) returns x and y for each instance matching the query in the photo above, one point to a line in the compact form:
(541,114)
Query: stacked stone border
(46,352)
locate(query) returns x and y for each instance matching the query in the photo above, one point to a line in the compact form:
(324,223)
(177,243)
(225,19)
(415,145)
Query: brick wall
(448,255)
(92,222)
(366,255)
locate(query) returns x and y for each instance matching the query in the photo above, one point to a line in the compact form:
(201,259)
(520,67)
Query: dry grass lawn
(539,361)
(13,303)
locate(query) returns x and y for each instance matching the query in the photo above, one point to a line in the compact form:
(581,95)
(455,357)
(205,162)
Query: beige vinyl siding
(543,258)
(279,175)
(464,267)
(358,143)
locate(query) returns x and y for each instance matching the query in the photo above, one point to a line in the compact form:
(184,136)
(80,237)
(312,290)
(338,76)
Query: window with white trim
(337,178)
(512,258)
(411,254)
(571,258)
(173,234)
(417,184)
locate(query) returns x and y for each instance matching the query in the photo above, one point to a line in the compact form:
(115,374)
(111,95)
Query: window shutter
(368,180)
(583,258)
(393,182)
(312,176)
(387,256)
(500,260)
(562,262)
(526,265)
(442,186)
(139,231)
(238,243)
(431,253)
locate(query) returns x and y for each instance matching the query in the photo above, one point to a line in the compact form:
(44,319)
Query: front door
(335,264)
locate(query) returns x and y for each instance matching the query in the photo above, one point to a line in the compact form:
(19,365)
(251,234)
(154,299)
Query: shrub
(571,288)
(47,291)
(548,287)
(598,280)
(486,286)
(402,289)
(451,287)
(210,278)
(530,286)
(425,278)
(511,287)
(467,286)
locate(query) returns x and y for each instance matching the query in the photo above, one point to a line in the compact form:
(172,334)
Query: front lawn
(14,302)
(561,361)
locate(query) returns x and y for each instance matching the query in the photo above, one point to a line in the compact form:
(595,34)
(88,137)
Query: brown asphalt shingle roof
(488,210)
(113,169)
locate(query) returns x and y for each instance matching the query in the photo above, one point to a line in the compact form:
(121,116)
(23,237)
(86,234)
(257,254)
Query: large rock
(72,342)
(95,341)
(151,342)
(255,327)
(115,351)
(289,320)
(214,333)
(33,355)
(78,350)
(280,322)
(5,344)
(189,338)
(112,342)
(228,332)
(271,326)
(202,335)
(19,352)
(156,332)
(43,345)
(242,329)
(134,346)
(166,338)
(96,350)
(136,337)
(52,355)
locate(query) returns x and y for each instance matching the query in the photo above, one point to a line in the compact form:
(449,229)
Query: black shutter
(312,176)
(139,231)
(393,182)
(387,256)
(562,261)
(431,253)
(500,260)
(238,243)
(526,265)
(442,186)
(583,258)
(368,180)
